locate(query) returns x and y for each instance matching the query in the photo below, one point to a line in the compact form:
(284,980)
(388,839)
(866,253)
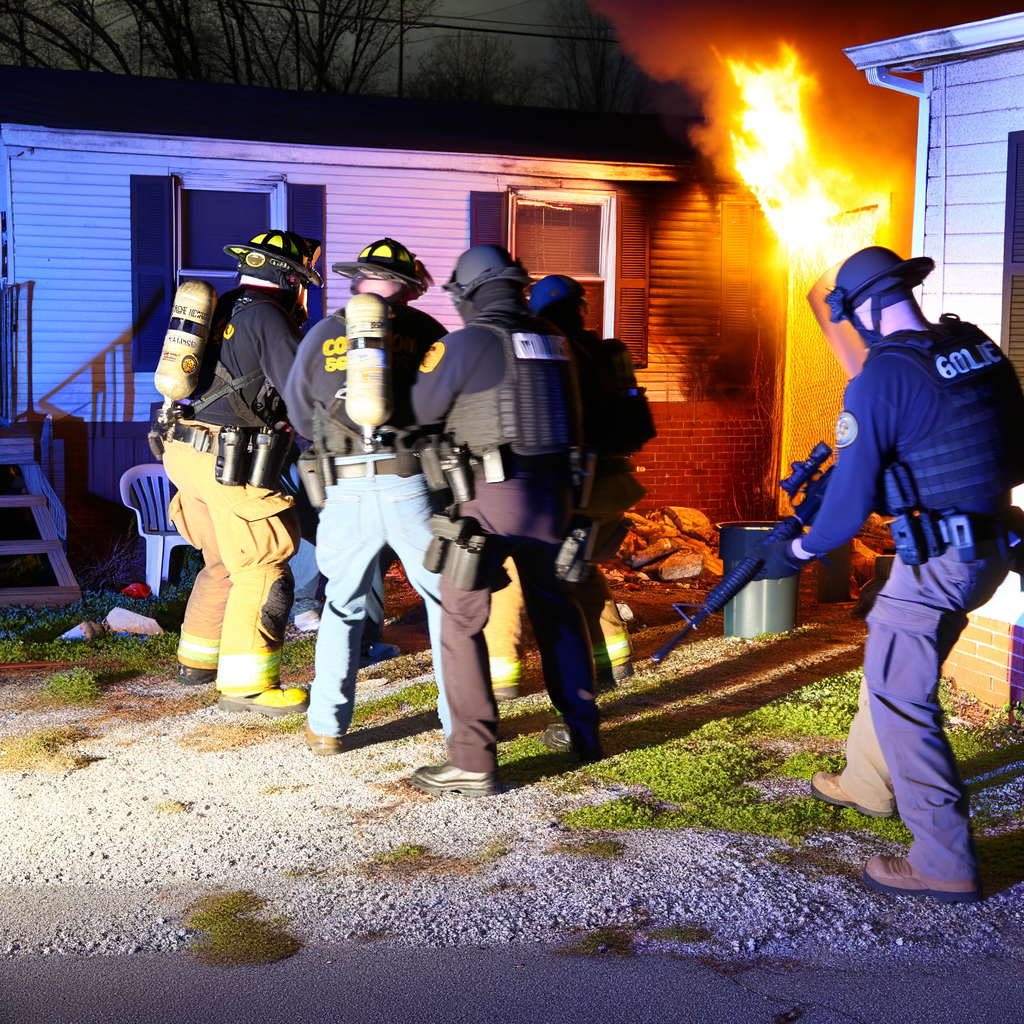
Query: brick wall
(708,455)
(988,661)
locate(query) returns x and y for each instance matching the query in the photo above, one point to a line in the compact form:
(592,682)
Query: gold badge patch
(229,331)
(188,364)
(433,357)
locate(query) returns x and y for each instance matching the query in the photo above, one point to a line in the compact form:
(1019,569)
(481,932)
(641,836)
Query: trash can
(764,606)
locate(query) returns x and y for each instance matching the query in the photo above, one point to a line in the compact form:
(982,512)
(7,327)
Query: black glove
(779,561)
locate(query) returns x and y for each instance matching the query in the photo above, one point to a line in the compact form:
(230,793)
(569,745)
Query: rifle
(803,479)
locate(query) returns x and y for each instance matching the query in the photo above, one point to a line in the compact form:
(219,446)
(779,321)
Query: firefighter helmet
(282,258)
(387,260)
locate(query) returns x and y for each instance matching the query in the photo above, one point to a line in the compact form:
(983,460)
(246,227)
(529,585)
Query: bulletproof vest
(534,409)
(976,451)
(251,397)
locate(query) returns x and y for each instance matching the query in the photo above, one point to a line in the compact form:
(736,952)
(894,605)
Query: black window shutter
(307,217)
(632,282)
(152,266)
(488,218)
(1013,259)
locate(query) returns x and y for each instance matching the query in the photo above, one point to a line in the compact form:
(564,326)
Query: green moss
(75,686)
(235,936)
(400,854)
(807,762)
(418,697)
(598,849)
(601,942)
(676,933)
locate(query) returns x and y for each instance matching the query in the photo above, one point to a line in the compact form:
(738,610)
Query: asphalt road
(368,985)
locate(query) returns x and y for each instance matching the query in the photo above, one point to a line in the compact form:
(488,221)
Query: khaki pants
(866,778)
(238,609)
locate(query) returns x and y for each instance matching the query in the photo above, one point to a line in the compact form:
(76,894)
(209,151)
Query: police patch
(229,330)
(189,363)
(433,357)
(846,430)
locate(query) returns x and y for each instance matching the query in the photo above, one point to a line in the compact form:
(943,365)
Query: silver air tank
(177,372)
(368,384)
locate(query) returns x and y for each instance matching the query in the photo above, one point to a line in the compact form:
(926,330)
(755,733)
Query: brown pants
(238,609)
(866,777)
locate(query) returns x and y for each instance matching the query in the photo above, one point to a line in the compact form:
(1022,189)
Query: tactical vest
(535,407)
(976,450)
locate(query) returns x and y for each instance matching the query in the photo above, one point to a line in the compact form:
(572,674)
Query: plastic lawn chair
(147,491)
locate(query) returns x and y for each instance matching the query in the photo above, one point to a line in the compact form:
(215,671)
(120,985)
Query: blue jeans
(362,516)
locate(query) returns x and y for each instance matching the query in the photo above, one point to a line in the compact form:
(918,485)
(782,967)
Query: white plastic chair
(147,491)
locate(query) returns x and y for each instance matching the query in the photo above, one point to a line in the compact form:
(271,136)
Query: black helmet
(390,261)
(282,258)
(480,264)
(879,274)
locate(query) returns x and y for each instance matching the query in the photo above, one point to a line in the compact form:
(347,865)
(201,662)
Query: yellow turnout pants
(238,609)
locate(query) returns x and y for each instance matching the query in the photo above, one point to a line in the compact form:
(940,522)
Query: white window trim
(608,254)
(275,185)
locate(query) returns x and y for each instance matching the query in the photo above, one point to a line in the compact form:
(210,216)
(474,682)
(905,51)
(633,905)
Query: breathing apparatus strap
(232,388)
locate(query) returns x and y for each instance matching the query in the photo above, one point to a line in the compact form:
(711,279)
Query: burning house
(114,189)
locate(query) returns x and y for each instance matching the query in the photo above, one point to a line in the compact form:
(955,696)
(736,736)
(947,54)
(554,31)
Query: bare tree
(588,70)
(474,70)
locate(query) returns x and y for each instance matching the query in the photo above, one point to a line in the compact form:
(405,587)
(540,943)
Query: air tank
(177,372)
(368,384)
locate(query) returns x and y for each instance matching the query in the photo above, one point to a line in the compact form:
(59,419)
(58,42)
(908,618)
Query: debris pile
(671,543)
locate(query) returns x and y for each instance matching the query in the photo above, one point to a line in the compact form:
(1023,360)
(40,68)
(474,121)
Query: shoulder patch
(846,430)
(229,331)
(433,357)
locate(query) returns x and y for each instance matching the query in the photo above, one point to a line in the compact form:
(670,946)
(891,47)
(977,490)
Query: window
(1013,257)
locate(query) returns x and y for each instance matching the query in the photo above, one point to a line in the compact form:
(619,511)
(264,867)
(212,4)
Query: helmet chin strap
(874,333)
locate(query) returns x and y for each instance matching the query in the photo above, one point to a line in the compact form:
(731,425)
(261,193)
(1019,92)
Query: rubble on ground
(671,543)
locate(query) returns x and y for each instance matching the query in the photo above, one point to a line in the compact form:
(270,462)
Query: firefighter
(932,433)
(504,390)
(375,498)
(616,423)
(229,502)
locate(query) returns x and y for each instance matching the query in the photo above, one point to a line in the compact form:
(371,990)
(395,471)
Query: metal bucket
(764,606)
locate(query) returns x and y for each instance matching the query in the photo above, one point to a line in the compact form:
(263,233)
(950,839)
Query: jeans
(361,517)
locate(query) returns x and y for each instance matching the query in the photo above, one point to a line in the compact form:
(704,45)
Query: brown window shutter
(488,218)
(632,278)
(1013,259)
(736,278)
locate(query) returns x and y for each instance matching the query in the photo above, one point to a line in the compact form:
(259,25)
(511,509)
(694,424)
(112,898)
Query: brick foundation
(988,661)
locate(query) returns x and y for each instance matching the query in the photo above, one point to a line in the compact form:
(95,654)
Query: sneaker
(275,703)
(189,676)
(898,876)
(446,778)
(377,653)
(825,786)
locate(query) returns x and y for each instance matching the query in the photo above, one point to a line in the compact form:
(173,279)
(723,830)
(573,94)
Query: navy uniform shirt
(259,336)
(889,409)
(465,362)
(319,373)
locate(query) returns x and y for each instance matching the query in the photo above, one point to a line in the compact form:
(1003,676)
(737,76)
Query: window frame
(608,201)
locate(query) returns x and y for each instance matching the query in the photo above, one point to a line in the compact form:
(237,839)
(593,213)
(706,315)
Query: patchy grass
(400,854)
(805,763)
(601,942)
(596,849)
(679,933)
(250,730)
(815,861)
(233,935)
(495,851)
(274,790)
(48,750)
(175,807)
(409,860)
(415,698)
(75,686)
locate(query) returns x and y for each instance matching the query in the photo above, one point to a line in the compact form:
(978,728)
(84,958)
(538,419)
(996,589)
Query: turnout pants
(897,747)
(238,609)
(527,517)
(362,516)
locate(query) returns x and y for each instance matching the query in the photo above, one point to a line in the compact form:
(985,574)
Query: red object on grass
(137,590)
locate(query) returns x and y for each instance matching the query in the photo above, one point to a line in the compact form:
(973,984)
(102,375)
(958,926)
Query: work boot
(558,737)
(446,778)
(506,691)
(898,876)
(322,746)
(190,676)
(275,703)
(825,786)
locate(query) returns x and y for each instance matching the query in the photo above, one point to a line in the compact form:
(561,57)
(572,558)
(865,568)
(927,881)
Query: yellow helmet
(278,256)
(389,260)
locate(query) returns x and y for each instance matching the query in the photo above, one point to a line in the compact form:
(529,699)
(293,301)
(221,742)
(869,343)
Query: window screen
(559,238)
(209,221)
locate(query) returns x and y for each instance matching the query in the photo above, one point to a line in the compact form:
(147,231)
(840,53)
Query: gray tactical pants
(916,620)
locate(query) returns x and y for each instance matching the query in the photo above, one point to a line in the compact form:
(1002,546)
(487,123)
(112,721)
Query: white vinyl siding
(975,104)
(70,200)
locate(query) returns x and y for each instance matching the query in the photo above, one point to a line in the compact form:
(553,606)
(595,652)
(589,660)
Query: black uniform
(506,382)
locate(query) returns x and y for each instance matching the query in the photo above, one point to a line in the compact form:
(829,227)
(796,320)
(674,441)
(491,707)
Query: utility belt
(459,552)
(919,536)
(318,472)
(245,455)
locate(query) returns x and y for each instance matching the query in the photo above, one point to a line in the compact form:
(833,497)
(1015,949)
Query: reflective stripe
(505,670)
(614,651)
(200,651)
(240,675)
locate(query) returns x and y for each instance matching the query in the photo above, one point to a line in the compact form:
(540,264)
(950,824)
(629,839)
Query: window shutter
(152,266)
(1013,265)
(632,278)
(488,218)
(736,225)
(307,216)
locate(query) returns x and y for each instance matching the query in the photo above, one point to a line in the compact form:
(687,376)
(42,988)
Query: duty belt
(203,439)
(347,469)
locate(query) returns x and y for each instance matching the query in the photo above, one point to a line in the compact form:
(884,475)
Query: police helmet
(878,274)
(282,258)
(387,260)
(553,288)
(480,264)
